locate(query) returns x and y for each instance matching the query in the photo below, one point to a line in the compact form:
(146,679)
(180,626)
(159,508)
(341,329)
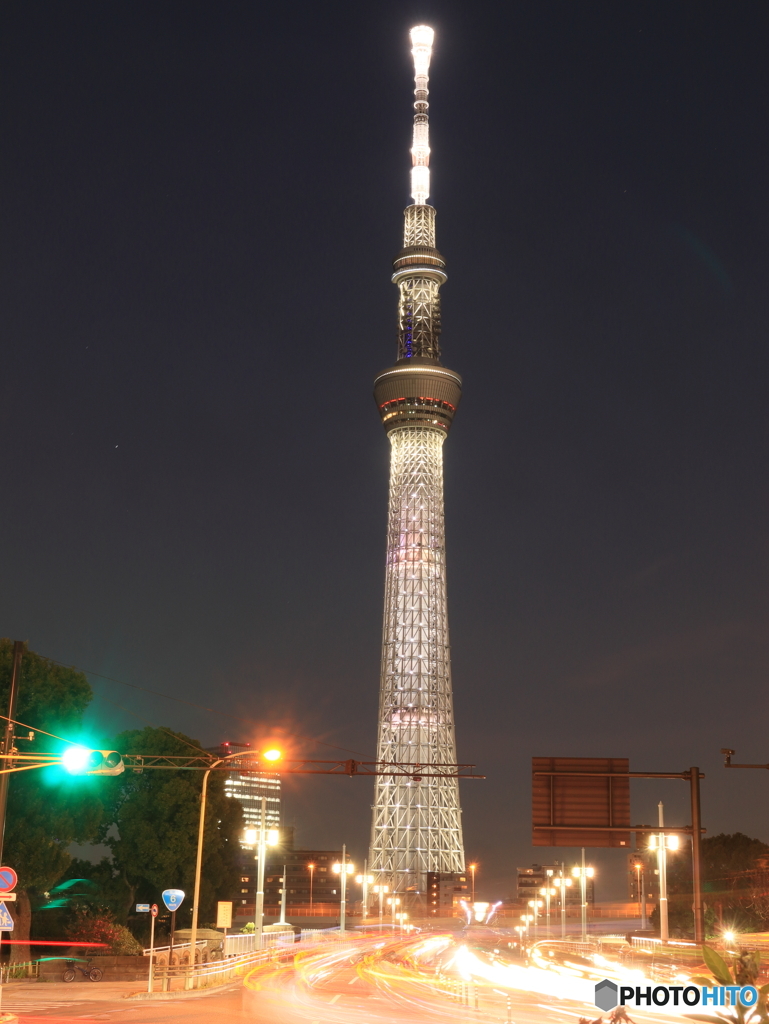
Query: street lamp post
(640,885)
(269,755)
(583,874)
(472,873)
(393,902)
(380,891)
(547,892)
(535,905)
(662,843)
(311,869)
(343,869)
(284,886)
(364,880)
(564,884)
(261,839)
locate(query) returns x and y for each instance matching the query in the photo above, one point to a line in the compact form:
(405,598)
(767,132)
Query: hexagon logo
(606,995)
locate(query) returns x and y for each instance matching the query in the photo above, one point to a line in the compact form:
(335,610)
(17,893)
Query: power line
(189,703)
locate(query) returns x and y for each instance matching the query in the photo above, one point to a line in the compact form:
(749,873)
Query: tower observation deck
(416,826)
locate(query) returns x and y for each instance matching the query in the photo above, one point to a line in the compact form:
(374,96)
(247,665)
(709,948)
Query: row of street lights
(554,883)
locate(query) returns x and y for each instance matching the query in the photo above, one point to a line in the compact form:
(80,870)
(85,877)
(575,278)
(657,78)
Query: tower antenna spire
(421,47)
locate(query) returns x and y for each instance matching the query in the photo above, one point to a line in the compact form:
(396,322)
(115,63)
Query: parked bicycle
(92,973)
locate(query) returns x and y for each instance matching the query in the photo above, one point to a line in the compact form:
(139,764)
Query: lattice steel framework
(416,824)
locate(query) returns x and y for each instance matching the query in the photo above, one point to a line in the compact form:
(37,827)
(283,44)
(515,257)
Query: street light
(583,874)
(393,902)
(401,918)
(380,891)
(365,881)
(344,869)
(638,864)
(662,842)
(472,872)
(535,905)
(311,869)
(261,838)
(268,755)
(547,892)
(564,883)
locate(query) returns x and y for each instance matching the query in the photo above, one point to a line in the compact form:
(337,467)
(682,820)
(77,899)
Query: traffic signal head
(84,761)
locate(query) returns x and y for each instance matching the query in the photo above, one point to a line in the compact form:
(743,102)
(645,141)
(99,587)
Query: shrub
(98,926)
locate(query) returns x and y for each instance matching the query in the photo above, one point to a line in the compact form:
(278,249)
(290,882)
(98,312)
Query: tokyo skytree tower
(417,826)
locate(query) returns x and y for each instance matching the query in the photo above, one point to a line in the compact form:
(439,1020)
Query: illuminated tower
(416,825)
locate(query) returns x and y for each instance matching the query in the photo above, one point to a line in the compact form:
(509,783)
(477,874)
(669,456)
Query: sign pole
(152,951)
(173,929)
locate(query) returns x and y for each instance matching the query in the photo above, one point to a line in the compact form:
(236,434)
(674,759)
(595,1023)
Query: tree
(47,809)
(155,814)
(733,883)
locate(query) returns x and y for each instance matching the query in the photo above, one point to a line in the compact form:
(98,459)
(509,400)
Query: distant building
(534,878)
(249,787)
(444,891)
(326,886)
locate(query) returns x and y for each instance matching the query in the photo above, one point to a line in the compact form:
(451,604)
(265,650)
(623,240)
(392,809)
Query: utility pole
(6,747)
(699,917)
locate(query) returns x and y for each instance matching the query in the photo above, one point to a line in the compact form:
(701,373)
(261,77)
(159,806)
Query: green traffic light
(76,759)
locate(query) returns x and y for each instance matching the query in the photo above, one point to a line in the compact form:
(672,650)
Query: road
(430,978)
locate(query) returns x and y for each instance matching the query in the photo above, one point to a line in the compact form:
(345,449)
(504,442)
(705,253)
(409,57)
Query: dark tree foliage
(734,870)
(152,827)
(47,809)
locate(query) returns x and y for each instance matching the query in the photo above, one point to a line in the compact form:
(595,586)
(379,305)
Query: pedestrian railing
(237,944)
(15,972)
(209,975)
(181,953)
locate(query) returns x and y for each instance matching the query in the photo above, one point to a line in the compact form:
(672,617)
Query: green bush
(98,926)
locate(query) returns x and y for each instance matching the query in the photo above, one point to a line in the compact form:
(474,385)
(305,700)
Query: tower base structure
(416,826)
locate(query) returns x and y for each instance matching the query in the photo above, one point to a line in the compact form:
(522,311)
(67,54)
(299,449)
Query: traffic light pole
(6,748)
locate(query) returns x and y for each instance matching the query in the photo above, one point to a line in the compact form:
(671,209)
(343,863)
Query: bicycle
(92,973)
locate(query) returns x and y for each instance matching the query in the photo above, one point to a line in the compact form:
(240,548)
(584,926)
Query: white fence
(181,950)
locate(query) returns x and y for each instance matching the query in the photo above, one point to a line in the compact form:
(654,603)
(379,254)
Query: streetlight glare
(273,837)
(251,836)
(273,754)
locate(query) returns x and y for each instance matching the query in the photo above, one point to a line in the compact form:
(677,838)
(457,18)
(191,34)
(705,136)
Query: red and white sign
(8,879)
(154,910)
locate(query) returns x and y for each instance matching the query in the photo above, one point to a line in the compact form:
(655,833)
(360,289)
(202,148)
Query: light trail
(434,978)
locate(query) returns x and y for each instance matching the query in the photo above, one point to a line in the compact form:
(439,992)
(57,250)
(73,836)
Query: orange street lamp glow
(272,755)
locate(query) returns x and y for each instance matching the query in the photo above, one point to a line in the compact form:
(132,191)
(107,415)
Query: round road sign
(154,910)
(8,879)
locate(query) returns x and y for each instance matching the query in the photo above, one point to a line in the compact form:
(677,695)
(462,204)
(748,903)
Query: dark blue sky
(201,202)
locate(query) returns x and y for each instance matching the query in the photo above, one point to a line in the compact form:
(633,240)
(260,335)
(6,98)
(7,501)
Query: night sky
(200,206)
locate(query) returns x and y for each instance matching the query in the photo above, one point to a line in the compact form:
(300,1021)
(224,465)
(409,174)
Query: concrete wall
(116,968)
